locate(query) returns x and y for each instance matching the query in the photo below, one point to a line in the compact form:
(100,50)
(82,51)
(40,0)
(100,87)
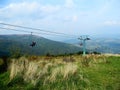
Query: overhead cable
(45,33)
(37,29)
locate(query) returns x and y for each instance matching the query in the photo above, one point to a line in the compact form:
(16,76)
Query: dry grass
(92,72)
(64,71)
(32,71)
(18,67)
(69,69)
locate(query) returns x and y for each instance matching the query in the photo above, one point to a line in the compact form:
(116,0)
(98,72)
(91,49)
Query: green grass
(105,75)
(99,73)
(4,79)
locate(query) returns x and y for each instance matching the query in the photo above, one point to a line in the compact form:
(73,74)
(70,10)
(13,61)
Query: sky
(73,17)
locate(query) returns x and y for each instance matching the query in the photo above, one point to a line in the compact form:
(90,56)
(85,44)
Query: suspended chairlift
(81,43)
(33,43)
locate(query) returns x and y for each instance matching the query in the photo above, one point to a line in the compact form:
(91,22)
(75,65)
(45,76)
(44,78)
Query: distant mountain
(21,43)
(100,44)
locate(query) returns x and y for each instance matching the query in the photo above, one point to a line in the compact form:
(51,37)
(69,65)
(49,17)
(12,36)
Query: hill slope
(21,43)
(101,44)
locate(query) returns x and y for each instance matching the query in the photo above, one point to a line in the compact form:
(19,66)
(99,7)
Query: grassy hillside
(21,44)
(93,72)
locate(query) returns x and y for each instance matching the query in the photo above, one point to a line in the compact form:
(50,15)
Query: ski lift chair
(33,44)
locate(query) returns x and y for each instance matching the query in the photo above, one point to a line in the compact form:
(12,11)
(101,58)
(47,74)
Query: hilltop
(101,44)
(21,44)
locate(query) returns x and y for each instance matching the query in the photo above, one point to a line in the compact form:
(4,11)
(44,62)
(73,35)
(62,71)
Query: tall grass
(46,72)
(92,72)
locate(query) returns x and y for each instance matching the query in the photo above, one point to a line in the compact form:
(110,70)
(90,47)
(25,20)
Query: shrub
(1,62)
(86,61)
(70,59)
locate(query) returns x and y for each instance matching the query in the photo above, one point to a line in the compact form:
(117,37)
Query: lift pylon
(84,38)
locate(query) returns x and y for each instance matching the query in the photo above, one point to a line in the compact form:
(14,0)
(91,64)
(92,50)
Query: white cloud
(111,23)
(19,10)
(27,9)
(22,7)
(31,14)
(69,3)
(50,8)
(71,18)
(60,17)
(75,18)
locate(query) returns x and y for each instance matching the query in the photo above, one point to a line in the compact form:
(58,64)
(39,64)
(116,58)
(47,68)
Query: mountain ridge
(21,43)
(100,44)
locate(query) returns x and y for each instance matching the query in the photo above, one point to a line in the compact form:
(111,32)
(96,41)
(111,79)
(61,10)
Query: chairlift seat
(33,44)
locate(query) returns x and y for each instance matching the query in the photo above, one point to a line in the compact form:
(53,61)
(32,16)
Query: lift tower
(84,38)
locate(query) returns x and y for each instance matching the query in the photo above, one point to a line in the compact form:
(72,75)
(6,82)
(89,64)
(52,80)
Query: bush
(86,61)
(3,64)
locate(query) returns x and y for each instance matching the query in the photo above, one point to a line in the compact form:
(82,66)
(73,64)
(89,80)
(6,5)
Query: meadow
(75,72)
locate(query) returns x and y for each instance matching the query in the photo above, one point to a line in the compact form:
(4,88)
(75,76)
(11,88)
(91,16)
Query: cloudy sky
(74,17)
